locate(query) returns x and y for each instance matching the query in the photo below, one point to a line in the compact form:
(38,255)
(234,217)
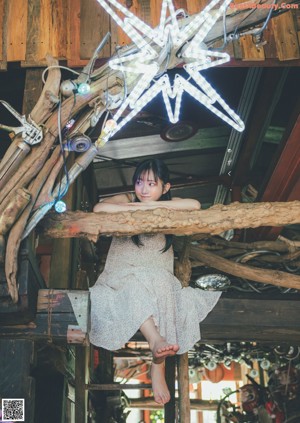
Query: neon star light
(150,58)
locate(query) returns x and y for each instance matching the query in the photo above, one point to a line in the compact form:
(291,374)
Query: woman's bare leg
(160,350)
(159,386)
(159,346)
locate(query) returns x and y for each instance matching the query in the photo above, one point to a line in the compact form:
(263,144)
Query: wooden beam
(244,318)
(266,276)
(62,315)
(4,8)
(253,319)
(283,184)
(269,62)
(81,377)
(94,24)
(214,220)
(148,403)
(117,386)
(285,176)
(204,139)
(257,123)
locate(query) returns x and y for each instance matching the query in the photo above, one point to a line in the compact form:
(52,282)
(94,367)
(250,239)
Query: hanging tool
(32,134)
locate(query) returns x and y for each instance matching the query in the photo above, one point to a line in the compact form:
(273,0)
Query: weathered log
(217,242)
(14,238)
(214,220)
(266,276)
(50,174)
(280,251)
(50,92)
(13,210)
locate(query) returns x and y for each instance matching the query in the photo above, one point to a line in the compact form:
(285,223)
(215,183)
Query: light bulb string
(62,193)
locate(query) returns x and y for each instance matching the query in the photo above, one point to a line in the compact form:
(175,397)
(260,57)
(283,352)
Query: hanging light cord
(62,193)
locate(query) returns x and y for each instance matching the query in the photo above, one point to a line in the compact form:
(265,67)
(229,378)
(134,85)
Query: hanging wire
(65,190)
(88,69)
(222,401)
(57,67)
(260,30)
(124,79)
(237,34)
(225,39)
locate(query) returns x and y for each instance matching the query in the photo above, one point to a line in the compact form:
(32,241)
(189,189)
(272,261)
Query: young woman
(137,289)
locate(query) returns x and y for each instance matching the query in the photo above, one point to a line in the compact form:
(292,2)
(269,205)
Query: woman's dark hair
(160,171)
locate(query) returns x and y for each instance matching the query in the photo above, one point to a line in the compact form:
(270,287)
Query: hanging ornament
(149,60)
(60,206)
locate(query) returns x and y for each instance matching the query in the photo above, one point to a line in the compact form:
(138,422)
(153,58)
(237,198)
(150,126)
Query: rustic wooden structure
(69,31)
(215,220)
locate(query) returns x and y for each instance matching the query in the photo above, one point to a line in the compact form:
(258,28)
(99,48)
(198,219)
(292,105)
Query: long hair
(160,171)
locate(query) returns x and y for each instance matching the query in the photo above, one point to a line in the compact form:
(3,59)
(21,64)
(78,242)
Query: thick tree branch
(214,220)
(266,276)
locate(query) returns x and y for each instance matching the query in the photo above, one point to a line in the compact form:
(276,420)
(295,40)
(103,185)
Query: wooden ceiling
(71,30)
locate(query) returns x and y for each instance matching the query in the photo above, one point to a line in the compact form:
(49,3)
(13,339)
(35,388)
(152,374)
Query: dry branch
(266,276)
(217,243)
(45,103)
(214,220)
(13,210)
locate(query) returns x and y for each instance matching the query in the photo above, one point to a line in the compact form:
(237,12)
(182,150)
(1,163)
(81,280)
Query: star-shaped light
(150,60)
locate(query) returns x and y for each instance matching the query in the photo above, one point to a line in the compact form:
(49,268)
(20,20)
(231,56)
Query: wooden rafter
(256,125)
(284,182)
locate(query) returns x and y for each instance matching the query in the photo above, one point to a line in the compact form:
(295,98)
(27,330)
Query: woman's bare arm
(122,203)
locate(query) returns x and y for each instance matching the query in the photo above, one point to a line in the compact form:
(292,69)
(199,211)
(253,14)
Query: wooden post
(183,384)
(183,272)
(62,250)
(81,378)
(170,407)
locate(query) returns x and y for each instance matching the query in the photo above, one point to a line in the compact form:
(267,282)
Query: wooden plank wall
(3,34)
(71,30)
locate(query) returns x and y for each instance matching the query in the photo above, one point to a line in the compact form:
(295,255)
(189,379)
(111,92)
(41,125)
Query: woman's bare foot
(160,390)
(162,349)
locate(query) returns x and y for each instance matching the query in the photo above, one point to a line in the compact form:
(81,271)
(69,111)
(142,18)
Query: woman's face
(147,189)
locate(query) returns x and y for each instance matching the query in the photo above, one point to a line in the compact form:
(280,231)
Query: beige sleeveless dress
(138,282)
